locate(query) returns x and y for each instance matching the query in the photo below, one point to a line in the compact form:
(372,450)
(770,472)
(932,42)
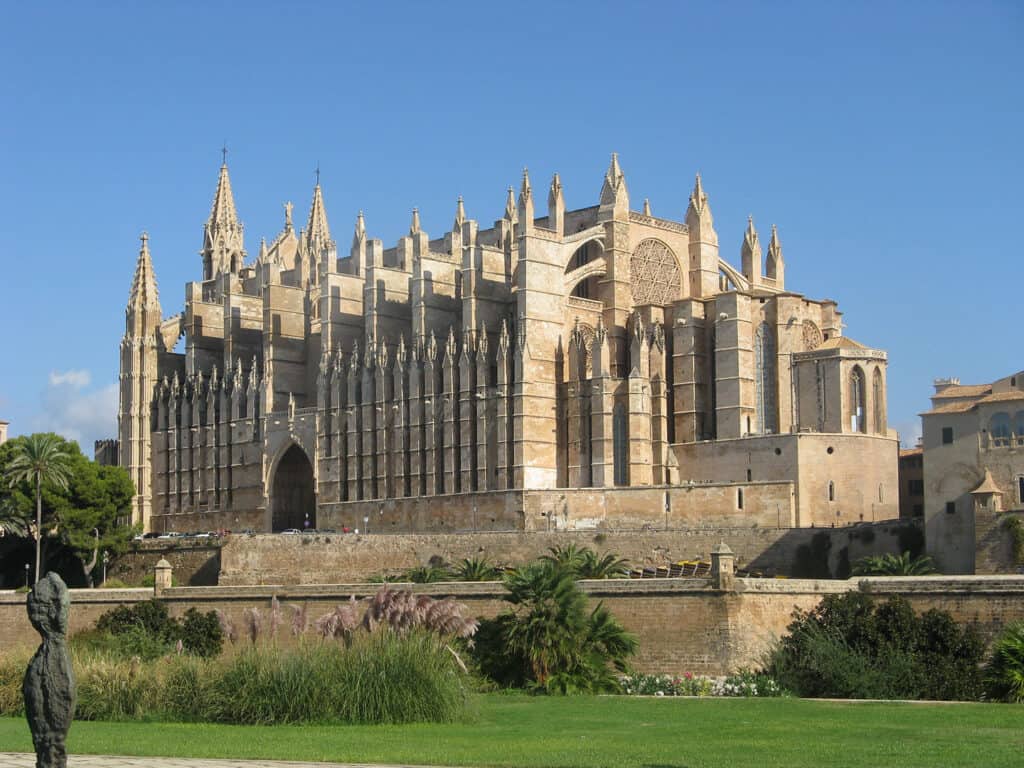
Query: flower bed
(743,684)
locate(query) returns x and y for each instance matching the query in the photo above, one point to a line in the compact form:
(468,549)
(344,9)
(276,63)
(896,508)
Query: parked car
(291,532)
(311,530)
(170,535)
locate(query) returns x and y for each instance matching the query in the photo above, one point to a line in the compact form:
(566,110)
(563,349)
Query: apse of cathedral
(593,367)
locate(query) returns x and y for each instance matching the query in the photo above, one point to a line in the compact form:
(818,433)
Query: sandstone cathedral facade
(587,368)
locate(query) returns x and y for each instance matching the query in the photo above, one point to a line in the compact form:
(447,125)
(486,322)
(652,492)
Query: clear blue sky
(884,140)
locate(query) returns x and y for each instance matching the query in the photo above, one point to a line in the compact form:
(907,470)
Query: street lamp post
(27,569)
(106,560)
(366,524)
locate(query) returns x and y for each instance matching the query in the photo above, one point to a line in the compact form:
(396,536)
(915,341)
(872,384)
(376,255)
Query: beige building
(912,483)
(973,439)
(3,431)
(479,379)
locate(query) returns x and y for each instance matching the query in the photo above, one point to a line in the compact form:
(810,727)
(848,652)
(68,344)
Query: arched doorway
(293,496)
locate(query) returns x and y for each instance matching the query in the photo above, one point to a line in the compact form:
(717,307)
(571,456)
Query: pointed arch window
(857,415)
(878,400)
(765,379)
(620,438)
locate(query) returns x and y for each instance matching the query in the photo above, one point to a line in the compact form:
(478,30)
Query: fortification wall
(683,625)
(194,564)
(337,558)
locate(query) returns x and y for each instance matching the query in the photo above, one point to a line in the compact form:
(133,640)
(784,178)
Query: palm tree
(40,458)
(569,557)
(894,565)
(608,566)
(476,569)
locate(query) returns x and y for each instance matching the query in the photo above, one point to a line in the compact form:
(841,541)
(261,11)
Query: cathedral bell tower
(223,251)
(140,347)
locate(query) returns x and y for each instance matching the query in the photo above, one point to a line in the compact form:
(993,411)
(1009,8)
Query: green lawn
(607,731)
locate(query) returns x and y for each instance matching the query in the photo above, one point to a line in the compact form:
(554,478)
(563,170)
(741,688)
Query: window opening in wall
(750,474)
(880,493)
(1020,489)
(1018,428)
(748,425)
(878,399)
(739,498)
(950,507)
(857,416)
(831,491)
(947,435)
(999,430)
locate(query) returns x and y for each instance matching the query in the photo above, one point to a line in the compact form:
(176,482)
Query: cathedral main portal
(293,497)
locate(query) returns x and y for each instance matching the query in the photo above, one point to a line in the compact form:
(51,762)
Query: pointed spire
(460,215)
(525,190)
(223,212)
(525,205)
(400,353)
(262,257)
(555,191)
(430,351)
(775,266)
(503,337)
(144,294)
(288,225)
(481,342)
(556,206)
(698,200)
(647,207)
(510,206)
(414,227)
(614,197)
(449,347)
(316,226)
(750,253)
(359,234)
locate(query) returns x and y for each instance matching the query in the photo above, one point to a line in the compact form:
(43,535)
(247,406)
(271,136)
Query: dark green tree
(83,511)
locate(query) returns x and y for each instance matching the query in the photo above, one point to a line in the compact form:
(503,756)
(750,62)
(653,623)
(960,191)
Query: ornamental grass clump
(1004,672)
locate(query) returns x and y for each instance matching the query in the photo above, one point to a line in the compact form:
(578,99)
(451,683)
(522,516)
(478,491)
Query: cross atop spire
(318,173)
(224,153)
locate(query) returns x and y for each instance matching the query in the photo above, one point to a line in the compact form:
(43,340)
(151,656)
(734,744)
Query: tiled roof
(951,408)
(1001,396)
(911,452)
(963,390)
(841,342)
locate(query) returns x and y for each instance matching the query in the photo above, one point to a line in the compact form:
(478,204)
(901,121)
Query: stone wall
(683,625)
(194,564)
(335,558)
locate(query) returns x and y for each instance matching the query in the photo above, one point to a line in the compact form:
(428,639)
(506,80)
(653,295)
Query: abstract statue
(49,686)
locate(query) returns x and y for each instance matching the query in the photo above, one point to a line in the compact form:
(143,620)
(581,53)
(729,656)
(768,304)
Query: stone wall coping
(87,596)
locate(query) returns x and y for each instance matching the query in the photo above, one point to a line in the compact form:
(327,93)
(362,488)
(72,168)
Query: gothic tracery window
(654,273)
(765,379)
(811,336)
(857,414)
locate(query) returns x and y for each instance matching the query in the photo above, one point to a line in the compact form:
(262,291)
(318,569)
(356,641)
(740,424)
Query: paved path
(22,760)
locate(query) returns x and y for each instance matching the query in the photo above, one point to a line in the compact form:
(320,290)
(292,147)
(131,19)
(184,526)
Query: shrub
(476,569)
(849,647)
(148,631)
(114,584)
(894,565)
(149,615)
(12,672)
(381,678)
(1004,672)
(548,641)
(201,633)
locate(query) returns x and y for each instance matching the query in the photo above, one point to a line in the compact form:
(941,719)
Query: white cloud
(76,379)
(70,410)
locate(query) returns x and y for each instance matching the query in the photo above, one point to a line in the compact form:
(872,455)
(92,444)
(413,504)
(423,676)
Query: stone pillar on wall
(577,384)
(353,447)
(368,455)
(430,403)
(735,411)
(639,388)
(690,368)
(602,399)
(484,423)
(383,413)
(659,407)
(501,411)
(467,415)
(417,470)
(163,578)
(212,443)
(399,439)
(173,443)
(338,391)
(451,416)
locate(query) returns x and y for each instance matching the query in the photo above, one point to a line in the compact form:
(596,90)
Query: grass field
(606,731)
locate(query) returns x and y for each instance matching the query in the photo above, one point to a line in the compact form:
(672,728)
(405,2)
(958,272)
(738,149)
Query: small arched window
(999,429)
(831,491)
(739,498)
(858,420)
